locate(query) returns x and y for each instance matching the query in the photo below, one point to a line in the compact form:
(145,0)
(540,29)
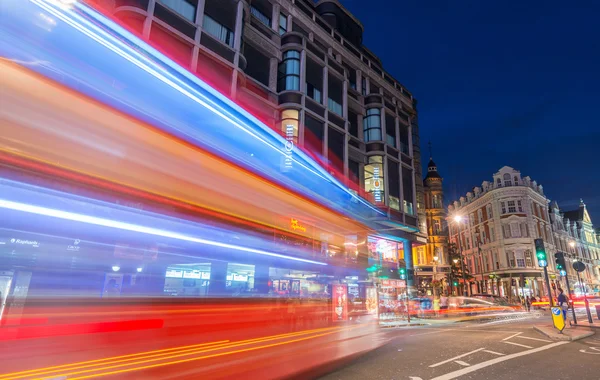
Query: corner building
(500,221)
(300,66)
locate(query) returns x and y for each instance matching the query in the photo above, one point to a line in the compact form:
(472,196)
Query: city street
(507,350)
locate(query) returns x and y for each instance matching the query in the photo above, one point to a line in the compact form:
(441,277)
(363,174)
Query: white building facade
(499,222)
(574,235)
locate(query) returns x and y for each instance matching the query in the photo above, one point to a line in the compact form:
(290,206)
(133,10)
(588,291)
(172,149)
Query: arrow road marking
(518,344)
(456,357)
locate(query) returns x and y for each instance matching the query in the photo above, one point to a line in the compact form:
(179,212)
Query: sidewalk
(569,333)
(586,324)
(446,320)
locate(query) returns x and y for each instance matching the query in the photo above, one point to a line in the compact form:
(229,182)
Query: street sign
(557,318)
(579,266)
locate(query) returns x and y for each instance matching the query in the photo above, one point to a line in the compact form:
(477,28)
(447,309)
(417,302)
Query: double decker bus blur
(147,221)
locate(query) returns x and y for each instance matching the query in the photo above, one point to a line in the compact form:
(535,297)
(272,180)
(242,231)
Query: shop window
(289,125)
(374,178)
(240,278)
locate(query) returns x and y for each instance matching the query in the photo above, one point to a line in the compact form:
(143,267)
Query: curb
(562,337)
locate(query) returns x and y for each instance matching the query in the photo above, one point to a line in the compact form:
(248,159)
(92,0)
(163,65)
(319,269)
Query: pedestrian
(444,304)
(528,303)
(563,302)
(436,306)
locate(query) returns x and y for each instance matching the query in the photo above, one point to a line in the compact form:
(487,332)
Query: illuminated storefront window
(382,249)
(374,179)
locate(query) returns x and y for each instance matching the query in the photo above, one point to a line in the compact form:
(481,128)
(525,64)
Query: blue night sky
(499,83)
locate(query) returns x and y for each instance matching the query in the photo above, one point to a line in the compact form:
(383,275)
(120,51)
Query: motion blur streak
(260,347)
(136,228)
(162,354)
(98,141)
(169,106)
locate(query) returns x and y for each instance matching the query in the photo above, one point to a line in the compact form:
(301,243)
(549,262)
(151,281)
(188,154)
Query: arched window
(498,182)
(288,78)
(507,181)
(372,125)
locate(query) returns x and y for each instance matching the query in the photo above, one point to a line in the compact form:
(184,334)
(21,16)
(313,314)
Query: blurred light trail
(28,208)
(94,144)
(163,94)
(105,367)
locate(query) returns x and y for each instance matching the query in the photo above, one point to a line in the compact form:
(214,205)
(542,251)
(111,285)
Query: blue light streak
(81,47)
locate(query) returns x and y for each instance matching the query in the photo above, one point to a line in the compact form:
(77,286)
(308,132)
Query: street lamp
(458,219)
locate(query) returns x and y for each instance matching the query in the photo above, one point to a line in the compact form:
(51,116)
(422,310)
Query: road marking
(538,339)
(518,344)
(414,378)
(494,352)
(591,353)
(462,363)
(456,357)
(473,368)
(512,336)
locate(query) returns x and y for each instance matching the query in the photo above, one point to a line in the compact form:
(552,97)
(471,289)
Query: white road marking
(473,368)
(494,352)
(456,357)
(462,363)
(591,353)
(518,344)
(538,339)
(512,336)
(414,378)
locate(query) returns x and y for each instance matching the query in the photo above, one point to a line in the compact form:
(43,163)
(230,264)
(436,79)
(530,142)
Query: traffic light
(402,273)
(455,283)
(559,257)
(540,253)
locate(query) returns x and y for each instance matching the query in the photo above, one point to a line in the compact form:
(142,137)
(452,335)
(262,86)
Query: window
(374,178)
(471,219)
(289,125)
(261,16)
(437,201)
(520,206)
(483,237)
(313,135)
(314,93)
(503,206)
(289,72)
(282,24)
(334,106)
(514,230)
(492,234)
(184,8)
(524,230)
(353,123)
(354,171)
(507,181)
(490,214)
(516,180)
(372,125)
(393,172)
(364,86)
(407,186)
(218,31)
(498,182)
(520,259)
(511,207)
(437,227)
(335,142)
(510,258)
(390,130)
(334,94)
(506,229)
(496,260)
(480,215)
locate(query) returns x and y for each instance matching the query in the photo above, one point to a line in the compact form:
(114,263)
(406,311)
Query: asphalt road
(507,351)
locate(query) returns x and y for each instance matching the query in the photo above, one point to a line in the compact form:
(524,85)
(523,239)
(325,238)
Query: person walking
(528,304)
(563,302)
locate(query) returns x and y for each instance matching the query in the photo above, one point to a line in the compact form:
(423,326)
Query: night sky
(499,83)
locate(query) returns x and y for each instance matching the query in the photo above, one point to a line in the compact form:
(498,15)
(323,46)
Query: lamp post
(458,219)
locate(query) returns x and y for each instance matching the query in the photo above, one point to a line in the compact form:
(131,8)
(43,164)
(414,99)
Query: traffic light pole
(587,305)
(569,291)
(548,287)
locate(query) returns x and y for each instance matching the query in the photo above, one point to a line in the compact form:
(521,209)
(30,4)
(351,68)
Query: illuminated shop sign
(30,243)
(174,273)
(240,277)
(195,274)
(377,193)
(296,226)
(289,146)
(339,302)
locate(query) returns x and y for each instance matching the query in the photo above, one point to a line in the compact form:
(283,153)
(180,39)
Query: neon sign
(296,226)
